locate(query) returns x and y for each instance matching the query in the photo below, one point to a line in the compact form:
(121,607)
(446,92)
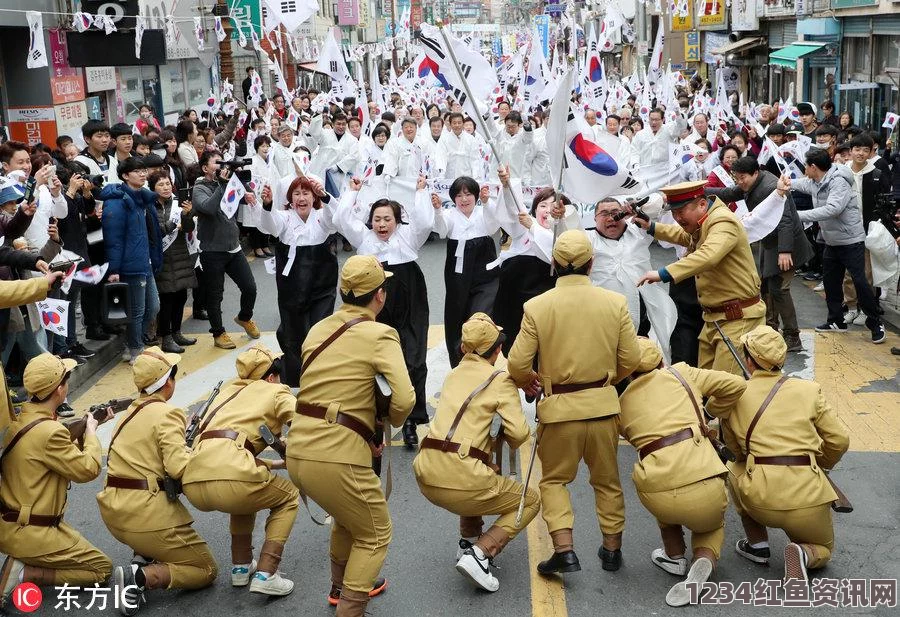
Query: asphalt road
(420,560)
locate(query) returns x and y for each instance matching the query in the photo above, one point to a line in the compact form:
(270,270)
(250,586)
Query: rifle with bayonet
(842,503)
(78,426)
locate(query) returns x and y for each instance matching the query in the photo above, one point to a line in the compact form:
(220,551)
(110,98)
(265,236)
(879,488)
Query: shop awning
(739,46)
(307,66)
(788,56)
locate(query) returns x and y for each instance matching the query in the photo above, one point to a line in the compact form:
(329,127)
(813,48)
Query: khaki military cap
(651,355)
(44,374)
(253,363)
(151,366)
(479,334)
(361,274)
(681,194)
(766,347)
(572,248)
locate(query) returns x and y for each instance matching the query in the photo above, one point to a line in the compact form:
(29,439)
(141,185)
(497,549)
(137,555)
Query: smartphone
(52,171)
(184,195)
(30,186)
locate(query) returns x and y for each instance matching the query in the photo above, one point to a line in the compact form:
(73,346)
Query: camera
(236,165)
(98,180)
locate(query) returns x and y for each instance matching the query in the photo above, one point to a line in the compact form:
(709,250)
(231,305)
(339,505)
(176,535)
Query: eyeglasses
(607,214)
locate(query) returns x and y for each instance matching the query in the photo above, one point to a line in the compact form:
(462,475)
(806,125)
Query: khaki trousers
(191,564)
(81,564)
(502,498)
(361,531)
(714,353)
(812,527)
(242,500)
(562,447)
(699,506)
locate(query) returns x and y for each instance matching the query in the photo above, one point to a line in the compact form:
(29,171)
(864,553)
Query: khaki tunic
(13,294)
(460,471)
(35,478)
(580,334)
(798,421)
(656,404)
(258,402)
(150,446)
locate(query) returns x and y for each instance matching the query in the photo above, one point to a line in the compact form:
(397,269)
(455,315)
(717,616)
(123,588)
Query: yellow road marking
(548,596)
(846,364)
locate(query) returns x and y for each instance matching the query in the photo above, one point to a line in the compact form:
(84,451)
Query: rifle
(193,427)
(383,394)
(77,427)
(534,445)
(842,503)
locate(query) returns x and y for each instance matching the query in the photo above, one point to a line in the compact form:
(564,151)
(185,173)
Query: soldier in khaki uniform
(147,444)
(39,460)
(331,442)
(721,263)
(223,473)
(786,437)
(679,477)
(585,343)
(452,465)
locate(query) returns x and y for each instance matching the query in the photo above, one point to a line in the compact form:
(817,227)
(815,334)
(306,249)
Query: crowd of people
(171,211)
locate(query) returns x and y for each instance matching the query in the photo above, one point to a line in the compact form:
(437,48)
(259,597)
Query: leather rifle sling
(762,409)
(690,393)
(465,405)
(213,413)
(19,436)
(122,425)
(334,336)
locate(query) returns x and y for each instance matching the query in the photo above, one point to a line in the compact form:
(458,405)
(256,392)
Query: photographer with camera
(220,249)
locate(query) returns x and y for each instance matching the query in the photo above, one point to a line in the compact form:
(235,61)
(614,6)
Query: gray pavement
(420,561)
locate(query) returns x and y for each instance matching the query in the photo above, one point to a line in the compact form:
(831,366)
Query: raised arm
(348,216)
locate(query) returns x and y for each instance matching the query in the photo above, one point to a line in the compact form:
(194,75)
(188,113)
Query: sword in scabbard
(732,349)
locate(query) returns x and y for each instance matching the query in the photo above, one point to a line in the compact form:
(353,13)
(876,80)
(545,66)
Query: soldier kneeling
(223,473)
(146,452)
(679,477)
(452,466)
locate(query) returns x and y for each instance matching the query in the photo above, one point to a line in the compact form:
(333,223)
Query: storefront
(870,68)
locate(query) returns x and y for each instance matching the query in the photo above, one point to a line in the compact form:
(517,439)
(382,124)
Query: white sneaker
(133,598)
(9,576)
(676,565)
(241,573)
(475,566)
(680,594)
(819,287)
(852,315)
(271,584)
(795,563)
(464,543)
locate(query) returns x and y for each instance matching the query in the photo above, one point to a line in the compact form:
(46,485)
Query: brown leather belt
(345,420)
(38,520)
(743,303)
(568,388)
(663,442)
(430,443)
(137,484)
(790,461)
(228,434)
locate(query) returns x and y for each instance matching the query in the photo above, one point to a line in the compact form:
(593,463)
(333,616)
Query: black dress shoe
(200,314)
(410,438)
(97,334)
(560,563)
(183,340)
(611,560)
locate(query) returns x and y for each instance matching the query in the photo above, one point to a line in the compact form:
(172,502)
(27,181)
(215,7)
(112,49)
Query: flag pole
(465,83)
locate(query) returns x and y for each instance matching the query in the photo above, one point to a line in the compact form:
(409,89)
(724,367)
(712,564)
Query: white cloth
(618,264)
(402,158)
(652,151)
(452,224)
(513,151)
(404,244)
(47,206)
(293,231)
(457,155)
(537,168)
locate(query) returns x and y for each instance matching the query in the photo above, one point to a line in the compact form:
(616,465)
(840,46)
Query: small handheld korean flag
(234,192)
(198,32)
(890,121)
(54,315)
(82,21)
(37,52)
(220,30)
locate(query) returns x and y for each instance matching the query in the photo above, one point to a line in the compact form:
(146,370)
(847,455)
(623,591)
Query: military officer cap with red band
(681,194)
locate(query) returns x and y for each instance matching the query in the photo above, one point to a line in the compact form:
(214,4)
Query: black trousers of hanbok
(684,340)
(471,291)
(306,295)
(522,278)
(406,310)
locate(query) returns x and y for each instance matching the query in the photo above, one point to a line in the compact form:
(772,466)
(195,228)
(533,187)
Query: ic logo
(27,597)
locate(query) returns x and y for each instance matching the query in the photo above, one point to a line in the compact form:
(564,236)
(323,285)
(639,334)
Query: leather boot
(184,341)
(158,576)
(410,437)
(352,604)
(270,557)
(170,346)
(493,541)
(241,548)
(337,581)
(470,526)
(42,577)
(610,552)
(267,579)
(564,558)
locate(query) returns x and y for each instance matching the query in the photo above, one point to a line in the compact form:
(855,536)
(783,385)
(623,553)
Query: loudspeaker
(116,307)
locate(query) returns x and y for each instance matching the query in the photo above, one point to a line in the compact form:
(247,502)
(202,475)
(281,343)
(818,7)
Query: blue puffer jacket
(129,248)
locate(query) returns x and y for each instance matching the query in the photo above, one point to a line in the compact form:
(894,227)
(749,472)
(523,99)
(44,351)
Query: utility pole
(226,64)
(640,18)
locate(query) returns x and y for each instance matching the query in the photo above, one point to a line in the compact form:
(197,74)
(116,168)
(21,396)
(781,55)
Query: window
(198,83)
(887,53)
